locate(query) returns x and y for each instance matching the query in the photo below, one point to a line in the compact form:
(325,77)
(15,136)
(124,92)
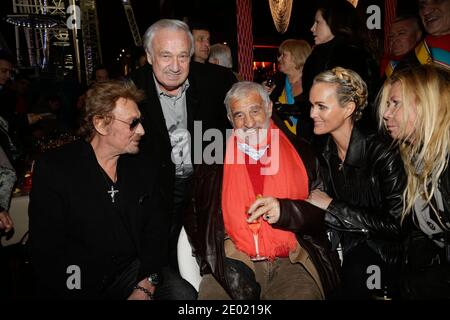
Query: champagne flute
(255,226)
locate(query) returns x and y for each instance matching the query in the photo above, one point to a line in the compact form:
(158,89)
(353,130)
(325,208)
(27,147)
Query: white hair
(242,89)
(222,54)
(170,24)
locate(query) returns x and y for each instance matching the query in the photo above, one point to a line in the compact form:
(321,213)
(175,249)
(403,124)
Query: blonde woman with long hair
(415,111)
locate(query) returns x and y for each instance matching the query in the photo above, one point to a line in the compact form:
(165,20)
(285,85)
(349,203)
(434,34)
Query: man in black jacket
(172,104)
(98,227)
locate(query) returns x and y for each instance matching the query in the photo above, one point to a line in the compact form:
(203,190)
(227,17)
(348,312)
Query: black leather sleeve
(300,216)
(445,190)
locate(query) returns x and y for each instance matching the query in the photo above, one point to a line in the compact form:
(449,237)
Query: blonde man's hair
(425,152)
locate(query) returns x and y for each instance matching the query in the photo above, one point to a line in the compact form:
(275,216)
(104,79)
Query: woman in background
(415,110)
(340,41)
(292,55)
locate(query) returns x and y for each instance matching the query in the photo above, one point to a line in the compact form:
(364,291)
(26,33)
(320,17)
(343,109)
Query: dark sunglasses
(133,124)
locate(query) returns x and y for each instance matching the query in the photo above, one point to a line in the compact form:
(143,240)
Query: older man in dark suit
(178,93)
(98,227)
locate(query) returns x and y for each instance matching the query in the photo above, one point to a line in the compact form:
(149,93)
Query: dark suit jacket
(204,102)
(70,220)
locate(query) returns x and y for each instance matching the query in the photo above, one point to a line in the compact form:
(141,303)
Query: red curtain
(245,38)
(389,17)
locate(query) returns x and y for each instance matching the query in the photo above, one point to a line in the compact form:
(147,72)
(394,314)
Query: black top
(122,241)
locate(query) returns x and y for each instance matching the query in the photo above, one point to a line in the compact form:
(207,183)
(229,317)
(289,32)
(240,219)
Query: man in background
(404,35)
(202,38)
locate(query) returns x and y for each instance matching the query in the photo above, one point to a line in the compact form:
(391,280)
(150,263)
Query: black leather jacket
(205,229)
(444,187)
(367,194)
(426,266)
(411,225)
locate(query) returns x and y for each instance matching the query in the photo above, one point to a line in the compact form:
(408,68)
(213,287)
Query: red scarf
(285,177)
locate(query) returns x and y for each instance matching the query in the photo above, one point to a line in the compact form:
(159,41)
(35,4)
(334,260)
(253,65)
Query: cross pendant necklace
(112,193)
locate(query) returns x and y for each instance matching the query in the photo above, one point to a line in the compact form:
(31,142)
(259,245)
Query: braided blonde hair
(350,88)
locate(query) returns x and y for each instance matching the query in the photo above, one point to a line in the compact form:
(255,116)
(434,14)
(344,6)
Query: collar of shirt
(184,86)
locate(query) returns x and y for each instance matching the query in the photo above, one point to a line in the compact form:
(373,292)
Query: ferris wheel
(43,26)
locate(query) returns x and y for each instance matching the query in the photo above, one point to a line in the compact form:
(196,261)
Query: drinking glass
(255,226)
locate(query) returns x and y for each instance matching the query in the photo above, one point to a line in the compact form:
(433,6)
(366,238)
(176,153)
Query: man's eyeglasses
(133,124)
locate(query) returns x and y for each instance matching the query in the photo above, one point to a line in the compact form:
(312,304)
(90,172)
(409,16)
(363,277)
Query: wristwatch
(153,279)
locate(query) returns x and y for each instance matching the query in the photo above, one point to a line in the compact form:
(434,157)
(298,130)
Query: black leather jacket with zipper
(367,193)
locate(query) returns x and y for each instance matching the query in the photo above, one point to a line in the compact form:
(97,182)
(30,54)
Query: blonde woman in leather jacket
(363,182)
(415,111)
